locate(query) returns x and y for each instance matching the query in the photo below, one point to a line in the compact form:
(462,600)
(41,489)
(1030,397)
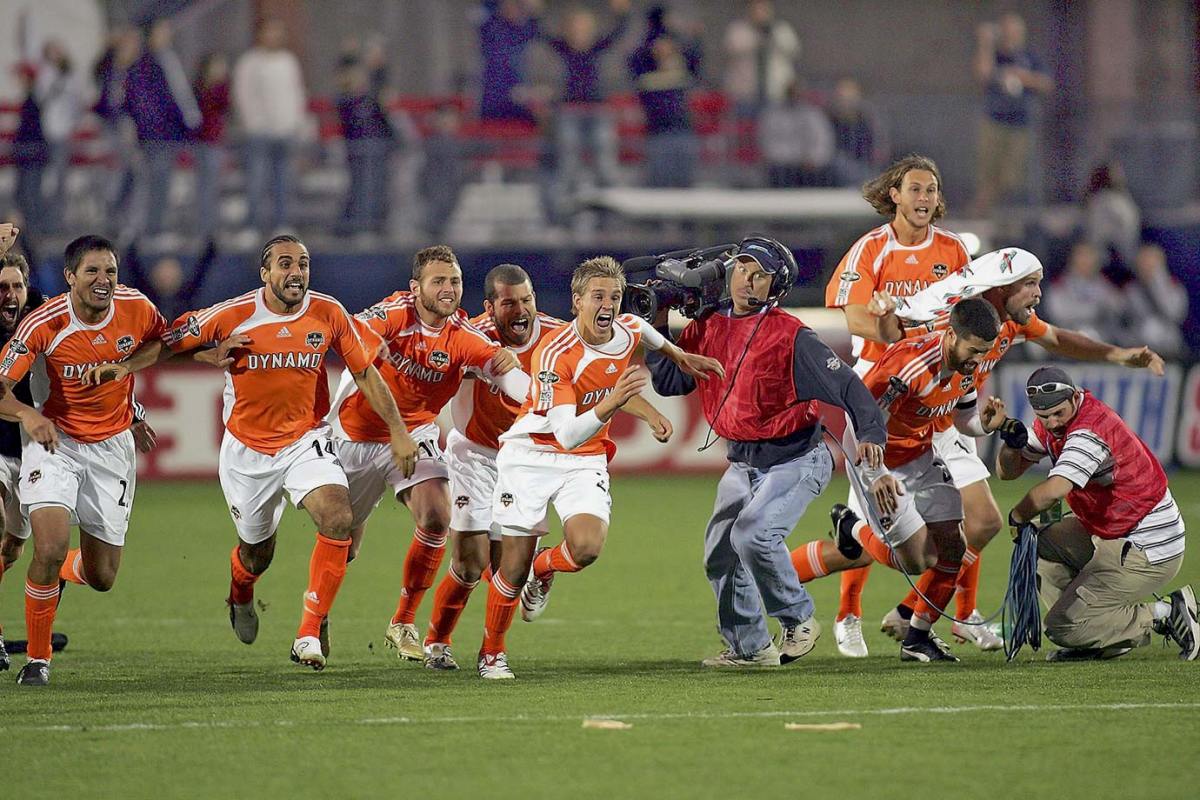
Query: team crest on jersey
(125,344)
(35,476)
(506,499)
(461,501)
(833,363)
(15,348)
(546,376)
(967,382)
(315,340)
(1004,344)
(940,271)
(439,359)
(190,327)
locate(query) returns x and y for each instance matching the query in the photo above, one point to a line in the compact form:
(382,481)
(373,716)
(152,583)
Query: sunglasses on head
(1048,388)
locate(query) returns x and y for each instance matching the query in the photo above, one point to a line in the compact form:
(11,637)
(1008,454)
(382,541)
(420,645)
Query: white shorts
(473,486)
(257,486)
(929,496)
(529,480)
(94,481)
(958,452)
(15,522)
(370,469)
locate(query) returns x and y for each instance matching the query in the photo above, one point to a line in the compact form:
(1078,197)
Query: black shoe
(1086,654)
(843,523)
(34,673)
(58,643)
(4,662)
(925,649)
(1182,626)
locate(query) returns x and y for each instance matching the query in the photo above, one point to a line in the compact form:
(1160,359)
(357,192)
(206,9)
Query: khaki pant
(1094,587)
(1003,159)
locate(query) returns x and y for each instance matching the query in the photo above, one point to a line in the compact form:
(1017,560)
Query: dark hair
(18,262)
(507,274)
(85,244)
(878,191)
(975,317)
(1107,175)
(274,240)
(437,252)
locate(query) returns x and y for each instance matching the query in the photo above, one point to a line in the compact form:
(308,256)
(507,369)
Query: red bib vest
(763,403)
(1138,479)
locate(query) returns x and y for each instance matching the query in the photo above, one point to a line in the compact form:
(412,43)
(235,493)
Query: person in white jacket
(270,101)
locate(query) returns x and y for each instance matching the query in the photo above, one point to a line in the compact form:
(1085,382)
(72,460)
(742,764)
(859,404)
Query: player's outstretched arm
(149,354)
(638,406)
(875,320)
(40,429)
(1074,344)
(404,449)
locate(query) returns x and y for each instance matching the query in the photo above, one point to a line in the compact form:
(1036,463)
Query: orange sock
(556,559)
(326,569)
(420,568)
(241,580)
(448,603)
(853,581)
(501,606)
(910,599)
(937,584)
(809,561)
(41,602)
(967,584)
(874,544)
(72,568)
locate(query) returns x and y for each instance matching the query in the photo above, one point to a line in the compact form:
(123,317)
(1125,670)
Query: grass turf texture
(155,697)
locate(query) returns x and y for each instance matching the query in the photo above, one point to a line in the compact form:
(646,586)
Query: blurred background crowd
(191,129)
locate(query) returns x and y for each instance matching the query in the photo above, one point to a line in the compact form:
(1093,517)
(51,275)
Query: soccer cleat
(404,638)
(797,641)
(323,637)
(1086,654)
(494,667)
(769,656)
(1181,625)
(438,656)
(4,662)
(534,596)
(925,650)
(35,673)
(848,634)
(894,625)
(306,651)
(58,643)
(979,634)
(244,620)
(843,522)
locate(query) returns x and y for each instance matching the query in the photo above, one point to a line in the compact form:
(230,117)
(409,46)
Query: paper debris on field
(822,726)
(607,724)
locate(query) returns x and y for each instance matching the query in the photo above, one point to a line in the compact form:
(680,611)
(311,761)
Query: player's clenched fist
(8,236)
(993,414)
(661,427)
(881,304)
(504,361)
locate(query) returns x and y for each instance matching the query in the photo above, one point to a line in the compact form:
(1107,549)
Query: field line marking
(705,715)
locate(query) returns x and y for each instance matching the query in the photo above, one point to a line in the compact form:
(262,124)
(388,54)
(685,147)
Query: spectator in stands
(442,174)
(212,95)
(504,36)
(1112,221)
(123,49)
(270,100)
(664,68)
(1011,76)
(582,124)
(60,99)
(761,53)
(862,146)
(172,291)
(1083,299)
(1156,305)
(368,138)
(30,152)
(164,112)
(797,142)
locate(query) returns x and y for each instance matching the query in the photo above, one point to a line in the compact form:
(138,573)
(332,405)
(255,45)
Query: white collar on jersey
(621,340)
(997,268)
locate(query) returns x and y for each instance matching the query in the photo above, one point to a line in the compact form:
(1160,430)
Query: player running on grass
(79,466)
(917,383)
(427,343)
(558,449)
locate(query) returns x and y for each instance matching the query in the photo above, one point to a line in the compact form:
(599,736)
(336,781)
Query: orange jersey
(276,390)
(879,263)
(71,347)
(482,412)
(567,371)
(909,385)
(423,368)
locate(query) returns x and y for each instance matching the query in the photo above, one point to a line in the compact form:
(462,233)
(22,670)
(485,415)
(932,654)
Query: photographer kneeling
(776,369)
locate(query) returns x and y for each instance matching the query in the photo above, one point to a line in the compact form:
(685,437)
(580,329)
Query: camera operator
(776,369)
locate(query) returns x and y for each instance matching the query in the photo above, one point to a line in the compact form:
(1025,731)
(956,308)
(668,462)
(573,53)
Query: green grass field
(156,698)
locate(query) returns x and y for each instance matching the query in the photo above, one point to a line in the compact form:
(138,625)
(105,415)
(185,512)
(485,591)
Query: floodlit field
(155,697)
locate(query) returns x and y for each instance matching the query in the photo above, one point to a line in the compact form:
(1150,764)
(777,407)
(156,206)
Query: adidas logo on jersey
(611,368)
(911,260)
(99,339)
(284,333)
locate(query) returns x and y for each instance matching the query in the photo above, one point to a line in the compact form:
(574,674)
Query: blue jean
(671,159)
(209,159)
(367,195)
(268,181)
(158,164)
(745,553)
(582,131)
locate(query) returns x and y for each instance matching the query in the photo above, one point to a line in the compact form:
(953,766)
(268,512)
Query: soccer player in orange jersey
(896,260)
(427,343)
(277,446)
(917,383)
(558,449)
(79,466)
(482,414)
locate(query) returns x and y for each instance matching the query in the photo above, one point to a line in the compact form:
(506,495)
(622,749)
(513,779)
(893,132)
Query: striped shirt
(1085,459)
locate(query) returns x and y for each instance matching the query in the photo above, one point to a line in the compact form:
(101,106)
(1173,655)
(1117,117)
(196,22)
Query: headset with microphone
(776,260)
